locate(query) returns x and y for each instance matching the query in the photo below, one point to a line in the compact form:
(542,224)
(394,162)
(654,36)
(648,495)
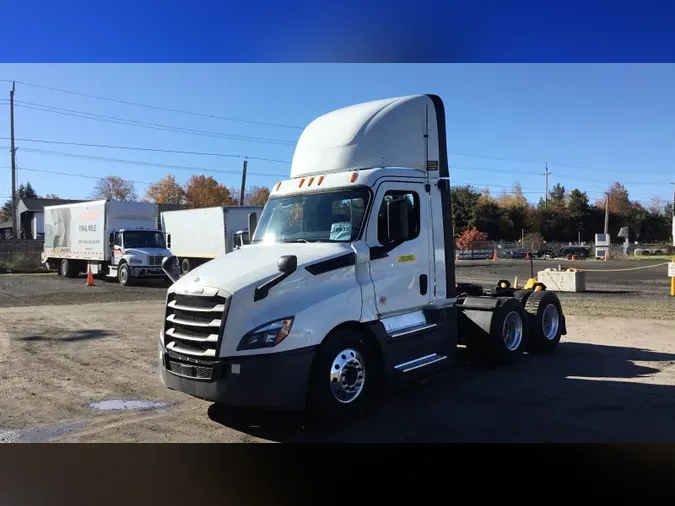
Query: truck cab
(241,238)
(348,283)
(136,253)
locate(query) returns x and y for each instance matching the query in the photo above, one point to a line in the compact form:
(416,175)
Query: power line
(86,176)
(152,150)
(141,163)
(156,107)
(142,124)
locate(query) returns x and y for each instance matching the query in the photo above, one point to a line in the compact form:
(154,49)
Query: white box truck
(113,239)
(348,284)
(196,236)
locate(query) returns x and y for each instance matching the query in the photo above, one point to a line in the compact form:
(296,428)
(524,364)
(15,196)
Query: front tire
(124,275)
(344,376)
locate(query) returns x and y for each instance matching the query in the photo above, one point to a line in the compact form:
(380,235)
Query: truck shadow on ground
(583,393)
(80,335)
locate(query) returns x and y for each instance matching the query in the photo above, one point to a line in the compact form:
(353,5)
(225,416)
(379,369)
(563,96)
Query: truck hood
(256,263)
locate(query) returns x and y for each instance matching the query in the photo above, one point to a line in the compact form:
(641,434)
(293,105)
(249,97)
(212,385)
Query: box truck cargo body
(110,238)
(196,236)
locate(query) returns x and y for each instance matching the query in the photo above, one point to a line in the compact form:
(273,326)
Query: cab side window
(118,239)
(413,204)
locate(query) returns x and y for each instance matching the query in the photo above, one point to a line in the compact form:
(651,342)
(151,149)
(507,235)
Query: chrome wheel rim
(347,376)
(512,331)
(550,322)
(123,275)
(64,268)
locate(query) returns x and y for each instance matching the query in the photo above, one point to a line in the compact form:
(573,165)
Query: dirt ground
(612,378)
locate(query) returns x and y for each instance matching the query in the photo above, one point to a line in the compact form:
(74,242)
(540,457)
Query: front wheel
(344,376)
(124,275)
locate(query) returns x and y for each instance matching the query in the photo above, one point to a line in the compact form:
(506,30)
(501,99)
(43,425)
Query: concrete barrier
(570,280)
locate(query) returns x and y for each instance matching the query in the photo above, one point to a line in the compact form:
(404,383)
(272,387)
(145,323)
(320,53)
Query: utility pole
(243,184)
(607,213)
(15,228)
(673,224)
(547,173)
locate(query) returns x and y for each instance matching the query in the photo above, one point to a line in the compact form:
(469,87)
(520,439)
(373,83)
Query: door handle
(423,284)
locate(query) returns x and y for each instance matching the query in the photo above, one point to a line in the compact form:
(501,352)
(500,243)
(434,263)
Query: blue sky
(592,123)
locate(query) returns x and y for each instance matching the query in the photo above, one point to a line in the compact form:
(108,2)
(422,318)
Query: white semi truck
(348,284)
(196,236)
(114,239)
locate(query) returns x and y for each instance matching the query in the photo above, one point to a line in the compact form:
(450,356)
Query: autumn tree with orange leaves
(203,191)
(166,191)
(468,237)
(257,196)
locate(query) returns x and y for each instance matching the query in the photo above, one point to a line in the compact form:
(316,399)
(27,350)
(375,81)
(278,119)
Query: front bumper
(273,381)
(146,271)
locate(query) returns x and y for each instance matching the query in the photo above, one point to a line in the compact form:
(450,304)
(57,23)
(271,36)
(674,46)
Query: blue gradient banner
(348,31)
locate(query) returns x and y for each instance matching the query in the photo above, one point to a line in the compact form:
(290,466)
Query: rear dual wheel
(546,320)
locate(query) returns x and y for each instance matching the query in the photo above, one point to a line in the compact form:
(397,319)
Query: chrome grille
(156,260)
(193,324)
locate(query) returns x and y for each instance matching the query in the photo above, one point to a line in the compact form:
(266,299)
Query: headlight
(135,261)
(267,335)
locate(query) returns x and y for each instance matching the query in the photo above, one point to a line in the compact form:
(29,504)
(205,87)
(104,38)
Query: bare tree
(115,188)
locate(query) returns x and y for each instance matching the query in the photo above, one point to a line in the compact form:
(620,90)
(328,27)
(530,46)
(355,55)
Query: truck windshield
(143,239)
(335,216)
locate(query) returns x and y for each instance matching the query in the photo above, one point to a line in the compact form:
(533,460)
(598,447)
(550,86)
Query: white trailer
(196,236)
(113,239)
(348,284)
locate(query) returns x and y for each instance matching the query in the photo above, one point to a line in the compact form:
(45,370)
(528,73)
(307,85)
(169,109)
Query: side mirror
(170,266)
(111,239)
(168,241)
(397,220)
(288,264)
(252,224)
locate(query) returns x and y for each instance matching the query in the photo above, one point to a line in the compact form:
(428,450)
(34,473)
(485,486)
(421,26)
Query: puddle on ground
(37,434)
(120,405)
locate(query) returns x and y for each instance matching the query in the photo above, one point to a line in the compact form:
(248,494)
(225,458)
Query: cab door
(400,270)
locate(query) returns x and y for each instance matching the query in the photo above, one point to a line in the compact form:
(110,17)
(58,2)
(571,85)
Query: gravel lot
(612,379)
(49,289)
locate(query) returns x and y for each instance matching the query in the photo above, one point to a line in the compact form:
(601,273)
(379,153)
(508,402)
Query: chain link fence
(486,250)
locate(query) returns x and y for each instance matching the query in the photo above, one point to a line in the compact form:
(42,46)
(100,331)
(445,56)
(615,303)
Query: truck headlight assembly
(267,335)
(135,261)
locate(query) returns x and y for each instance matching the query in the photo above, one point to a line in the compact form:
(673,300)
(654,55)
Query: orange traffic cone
(527,255)
(494,255)
(90,278)
(574,258)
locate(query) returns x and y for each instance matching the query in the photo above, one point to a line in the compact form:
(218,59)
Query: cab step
(420,362)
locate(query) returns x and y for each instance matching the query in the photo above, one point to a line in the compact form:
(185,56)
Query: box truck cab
(348,284)
(136,253)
